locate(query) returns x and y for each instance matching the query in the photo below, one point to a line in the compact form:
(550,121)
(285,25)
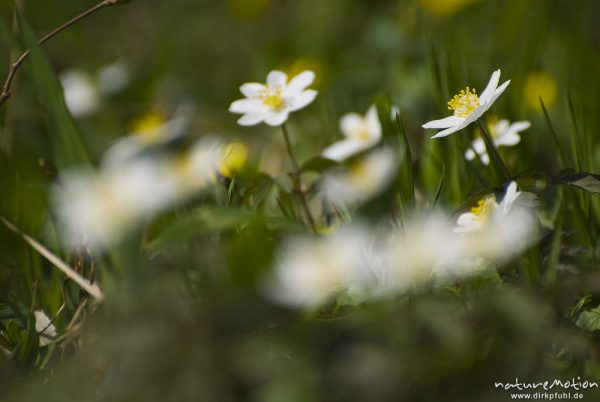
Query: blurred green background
(184,322)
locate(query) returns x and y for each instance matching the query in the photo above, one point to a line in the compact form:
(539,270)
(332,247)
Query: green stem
(493,152)
(297,177)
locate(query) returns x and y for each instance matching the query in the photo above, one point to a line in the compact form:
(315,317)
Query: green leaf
(27,349)
(406,169)
(586,181)
(589,320)
(67,146)
(438,191)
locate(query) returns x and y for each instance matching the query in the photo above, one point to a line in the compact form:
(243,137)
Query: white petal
(489,90)
(469,154)
(302,100)
(276,78)
(276,118)
(449,121)
(510,196)
(251,119)
(507,140)
(245,106)
(449,131)
(350,124)
(373,123)
(344,149)
(251,89)
(519,126)
(478,145)
(485,158)
(498,92)
(300,82)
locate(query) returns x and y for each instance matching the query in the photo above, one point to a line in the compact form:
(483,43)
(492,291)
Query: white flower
(503,133)
(361,182)
(113,78)
(44,327)
(152,130)
(424,247)
(310,271)
(486,210)
(273,102)
(81,94)
(498,231)
(361,134)
(101,207)
(468,107)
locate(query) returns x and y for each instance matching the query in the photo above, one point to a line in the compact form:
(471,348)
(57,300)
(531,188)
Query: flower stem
(297,177)
(493,152)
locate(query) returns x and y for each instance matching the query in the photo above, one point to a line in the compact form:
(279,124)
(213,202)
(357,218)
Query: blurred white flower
(364,180)
(497,232)
(273,102)
(81,94)
(503,133)
(113,78)
(44,327)
(468,107)
(424,247)
(100,207)
(149,131)
(361,134)
(486,210)
(310,270)
(197,169)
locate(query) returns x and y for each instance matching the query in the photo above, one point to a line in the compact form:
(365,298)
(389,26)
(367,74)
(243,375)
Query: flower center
(272,97)
(464,103)
(484,208)
(362,133)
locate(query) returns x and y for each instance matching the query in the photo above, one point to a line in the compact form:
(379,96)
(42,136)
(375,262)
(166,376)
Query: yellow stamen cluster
(464,103)
(484,208)
(272,97)
(149,128)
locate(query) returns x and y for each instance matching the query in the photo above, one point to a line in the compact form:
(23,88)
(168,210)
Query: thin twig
(297,175)
(6,94)
(92,289)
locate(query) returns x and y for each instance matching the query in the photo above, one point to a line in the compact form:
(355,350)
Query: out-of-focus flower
(151,130)
(197,169)
(101,207)
(540,84)
(444,8)
(503,133)
(235,156)
(361,134)
(486,210)
(363,180)
(272,103)
(81,94)
(113,78)
(425,247)
(44,327)
(468,107)
(310,271)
